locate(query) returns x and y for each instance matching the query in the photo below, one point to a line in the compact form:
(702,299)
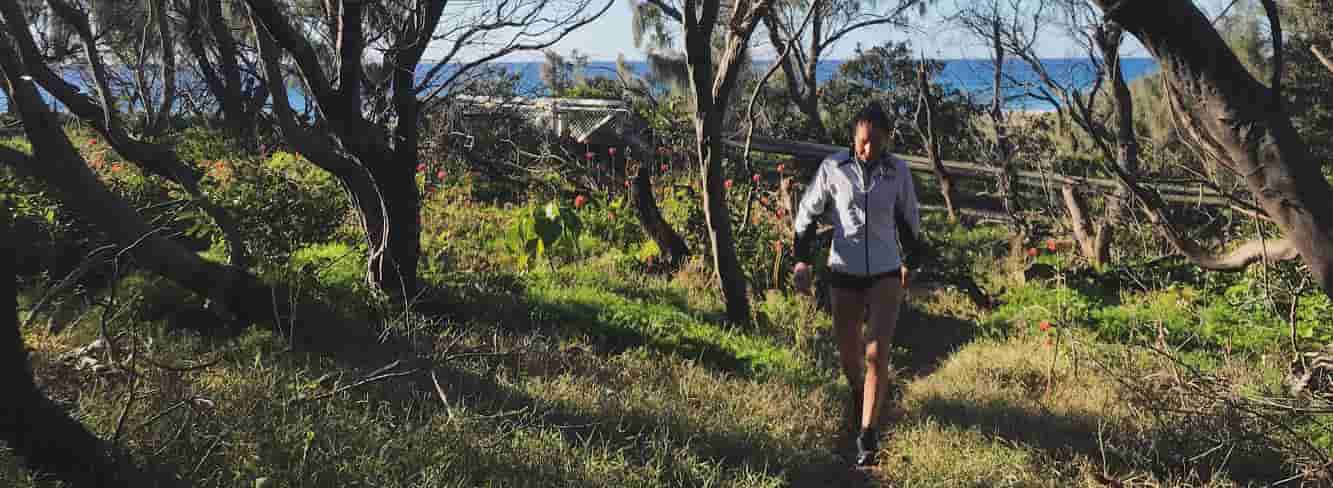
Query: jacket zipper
(865,199)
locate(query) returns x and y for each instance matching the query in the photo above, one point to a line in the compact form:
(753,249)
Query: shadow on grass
(923,340)
(630,431)
(503,300)
(1066,437)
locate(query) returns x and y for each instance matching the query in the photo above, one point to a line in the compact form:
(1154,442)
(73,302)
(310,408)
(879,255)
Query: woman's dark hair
(874,115)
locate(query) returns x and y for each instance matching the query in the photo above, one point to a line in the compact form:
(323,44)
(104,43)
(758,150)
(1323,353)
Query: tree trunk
(1109,37)
(223,78)
(925,124)
(375,167)
(718,216)
(1089,241)
(1001,152)
(711,89)
(673,248)
(392,229)
(167,43)
(57,165)
(41,435)
(1238,122)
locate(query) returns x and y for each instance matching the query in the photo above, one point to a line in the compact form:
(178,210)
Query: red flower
(626,183)
(588,155)
(1045,325)
(665,168)
(611,151)
(421,168)
(1032,252)
(580,201)
(727,184)
(92,141)
(755,178)
(781,167)
(781,213)
(115,168)
(1051,245)
(441,175)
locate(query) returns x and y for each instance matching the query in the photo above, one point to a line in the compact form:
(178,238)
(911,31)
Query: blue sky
(610,35)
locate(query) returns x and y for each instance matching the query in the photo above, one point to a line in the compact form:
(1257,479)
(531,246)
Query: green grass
(591,373)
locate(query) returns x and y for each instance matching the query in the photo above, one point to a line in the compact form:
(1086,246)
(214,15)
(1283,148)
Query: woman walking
(871,201)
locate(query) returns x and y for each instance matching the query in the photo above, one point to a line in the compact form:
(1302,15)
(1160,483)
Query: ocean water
(968,77)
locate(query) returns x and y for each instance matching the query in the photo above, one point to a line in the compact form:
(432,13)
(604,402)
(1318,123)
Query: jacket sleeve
(907,216)
(811,207)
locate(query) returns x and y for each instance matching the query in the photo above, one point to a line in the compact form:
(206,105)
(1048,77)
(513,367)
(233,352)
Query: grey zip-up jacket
(874,205)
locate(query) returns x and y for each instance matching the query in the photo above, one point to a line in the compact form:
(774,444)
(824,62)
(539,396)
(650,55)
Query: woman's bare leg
(886,299)
(849,310)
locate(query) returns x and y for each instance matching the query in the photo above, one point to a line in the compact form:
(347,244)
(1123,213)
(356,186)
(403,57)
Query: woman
(874,206)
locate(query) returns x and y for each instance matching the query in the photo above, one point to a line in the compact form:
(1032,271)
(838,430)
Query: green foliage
(549,232)
(280,203)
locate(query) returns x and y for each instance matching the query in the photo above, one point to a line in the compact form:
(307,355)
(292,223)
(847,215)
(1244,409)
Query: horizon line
(774,59)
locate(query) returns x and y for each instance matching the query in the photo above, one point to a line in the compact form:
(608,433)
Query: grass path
(616,381)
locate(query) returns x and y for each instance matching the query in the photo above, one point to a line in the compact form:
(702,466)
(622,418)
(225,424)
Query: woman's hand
(801,278)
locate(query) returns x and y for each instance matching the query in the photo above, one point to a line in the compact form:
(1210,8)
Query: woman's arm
(907,215)
(812,205)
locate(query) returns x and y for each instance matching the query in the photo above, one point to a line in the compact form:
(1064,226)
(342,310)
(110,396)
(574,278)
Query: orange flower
(580,201)
(1045,325)
(1032,252)
(115,168)
(1051,245)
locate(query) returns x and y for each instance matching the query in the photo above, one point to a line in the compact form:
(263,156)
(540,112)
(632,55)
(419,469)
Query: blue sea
(968,77)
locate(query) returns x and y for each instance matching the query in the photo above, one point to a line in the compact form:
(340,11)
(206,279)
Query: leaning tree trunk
(1238,122)
(57,165)
(38,431)
(673,248)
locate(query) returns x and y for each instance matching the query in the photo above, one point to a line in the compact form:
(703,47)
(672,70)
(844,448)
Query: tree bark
(925,124)
(1214,97)
(205,25)
(673,248)
(56,164)
(161,123)
(375,165)
(42,436)
(711,88)
(1090,241)
(1002,151)
(157,159)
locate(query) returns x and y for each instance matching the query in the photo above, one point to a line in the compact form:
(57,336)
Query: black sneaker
(867,445)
